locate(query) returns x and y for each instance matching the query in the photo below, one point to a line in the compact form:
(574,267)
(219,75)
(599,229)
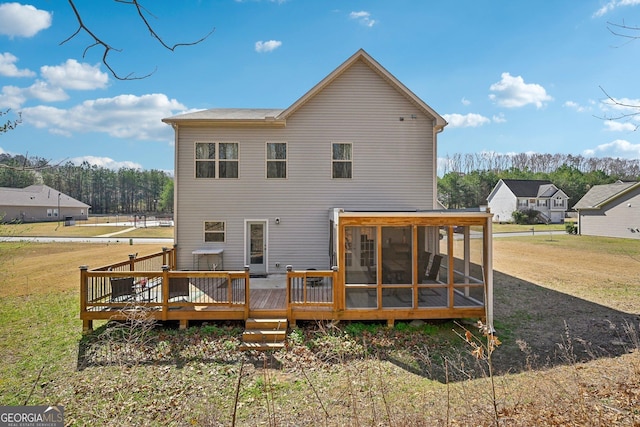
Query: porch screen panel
(397,249)
(360,255)
(468,275)
(360,267)
(433,291)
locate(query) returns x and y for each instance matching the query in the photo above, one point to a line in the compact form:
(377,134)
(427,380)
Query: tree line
(469,178)
(107,191)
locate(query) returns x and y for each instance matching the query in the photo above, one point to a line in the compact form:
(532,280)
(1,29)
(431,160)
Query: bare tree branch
(9,124)
(99,42)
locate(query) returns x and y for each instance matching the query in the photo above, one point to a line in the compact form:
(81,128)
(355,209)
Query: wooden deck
(382,259)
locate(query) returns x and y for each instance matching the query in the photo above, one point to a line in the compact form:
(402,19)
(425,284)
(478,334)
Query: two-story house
(510,195)
(260,184)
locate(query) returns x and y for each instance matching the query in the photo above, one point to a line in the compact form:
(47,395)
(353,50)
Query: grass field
(567,312)
(89,229)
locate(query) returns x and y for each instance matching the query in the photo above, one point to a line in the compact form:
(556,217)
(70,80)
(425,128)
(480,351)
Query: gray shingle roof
(598,194)
(229,114)
(37,195)
(526,187)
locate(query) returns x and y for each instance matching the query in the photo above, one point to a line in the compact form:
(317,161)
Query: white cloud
(75,75)
(124,116)
(363,17)
(513,92)
(18,20)
(105,162)
(8,67)
(12,97)
(268,46)
(618,148)
(465,101)
(614,4)
(617,126)
(498,118)
(45,92)
(575,106)
(466,121)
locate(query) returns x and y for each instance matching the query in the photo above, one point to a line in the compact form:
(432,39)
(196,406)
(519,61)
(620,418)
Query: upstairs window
(216,160)
(342,160)
(276,160)
(558,202)
(214,231)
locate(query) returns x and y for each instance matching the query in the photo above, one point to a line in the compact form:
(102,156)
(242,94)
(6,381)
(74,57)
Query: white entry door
(256,246)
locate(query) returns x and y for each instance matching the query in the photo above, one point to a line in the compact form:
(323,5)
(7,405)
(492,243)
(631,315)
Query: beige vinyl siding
(392,170)
(615,219)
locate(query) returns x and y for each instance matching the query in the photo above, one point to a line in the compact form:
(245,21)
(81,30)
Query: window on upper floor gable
(216,159)
(276,160)
(342,160)
(558,202)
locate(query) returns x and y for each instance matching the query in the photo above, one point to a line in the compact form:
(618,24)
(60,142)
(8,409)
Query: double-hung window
(276,159)
(341,160)
(214,231)
(216,160)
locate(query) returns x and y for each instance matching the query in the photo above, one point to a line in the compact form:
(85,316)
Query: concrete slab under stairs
(264,334)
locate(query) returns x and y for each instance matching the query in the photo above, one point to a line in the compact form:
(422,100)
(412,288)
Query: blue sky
(508,76)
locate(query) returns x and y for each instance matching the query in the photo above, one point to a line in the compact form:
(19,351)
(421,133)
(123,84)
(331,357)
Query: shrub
(571,228)
(524,217)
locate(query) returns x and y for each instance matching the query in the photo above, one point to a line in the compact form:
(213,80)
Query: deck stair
(264,334)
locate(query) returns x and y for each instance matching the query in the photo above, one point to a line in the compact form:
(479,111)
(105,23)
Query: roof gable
(599,195)
(365,58)
(278,117)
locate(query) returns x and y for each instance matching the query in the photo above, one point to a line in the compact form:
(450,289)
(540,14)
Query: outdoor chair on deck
(432,275)
(122,289)
(179,287)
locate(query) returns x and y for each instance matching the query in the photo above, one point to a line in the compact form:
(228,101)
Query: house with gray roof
(260,185)
(510,195)
(39,203)
(611,210)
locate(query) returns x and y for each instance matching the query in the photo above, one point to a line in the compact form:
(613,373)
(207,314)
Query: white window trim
(216,160)
(286,159)
(224,232)
(341,161)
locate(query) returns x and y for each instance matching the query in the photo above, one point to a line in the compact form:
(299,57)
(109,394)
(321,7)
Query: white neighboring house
(510,195)
(258,187)
(39,203)
(611,210)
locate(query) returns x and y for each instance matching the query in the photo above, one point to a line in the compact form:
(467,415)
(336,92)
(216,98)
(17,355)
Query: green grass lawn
(81,229)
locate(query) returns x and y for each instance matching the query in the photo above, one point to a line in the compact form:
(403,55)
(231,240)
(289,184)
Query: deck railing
(152,262)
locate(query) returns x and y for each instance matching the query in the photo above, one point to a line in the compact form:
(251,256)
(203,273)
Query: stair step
(261,346)
(258,335)
(263,324)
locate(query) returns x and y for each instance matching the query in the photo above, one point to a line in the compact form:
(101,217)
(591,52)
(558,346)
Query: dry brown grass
(540,283)
(42,268)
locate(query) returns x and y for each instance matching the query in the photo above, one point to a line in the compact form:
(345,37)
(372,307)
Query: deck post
(165,292)
(132,262)
(336,291)
(164,256)
(87,324)
(288,293)
(247,296)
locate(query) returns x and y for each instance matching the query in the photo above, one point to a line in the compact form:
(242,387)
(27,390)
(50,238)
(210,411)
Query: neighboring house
(611,210)
(39,203)
(510,195)
(261,184)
